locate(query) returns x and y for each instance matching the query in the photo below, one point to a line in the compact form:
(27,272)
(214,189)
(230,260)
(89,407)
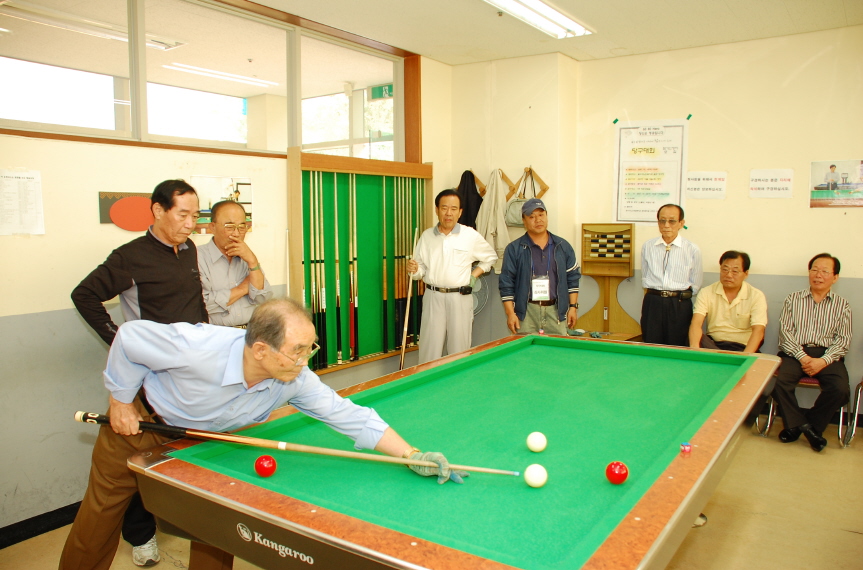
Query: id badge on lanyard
(540,285)
(540,288)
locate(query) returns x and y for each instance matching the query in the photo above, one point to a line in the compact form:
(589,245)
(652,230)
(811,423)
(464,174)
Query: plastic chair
(805,382)
(852,414)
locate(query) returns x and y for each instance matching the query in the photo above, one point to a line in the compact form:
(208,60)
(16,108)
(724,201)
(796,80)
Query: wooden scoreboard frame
(607,255)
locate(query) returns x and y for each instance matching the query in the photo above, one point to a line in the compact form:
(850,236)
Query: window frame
(406,100)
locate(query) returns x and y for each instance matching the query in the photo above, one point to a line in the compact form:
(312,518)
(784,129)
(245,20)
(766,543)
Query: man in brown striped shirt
(814,335)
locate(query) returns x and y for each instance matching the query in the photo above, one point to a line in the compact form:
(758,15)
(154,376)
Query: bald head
(271,319)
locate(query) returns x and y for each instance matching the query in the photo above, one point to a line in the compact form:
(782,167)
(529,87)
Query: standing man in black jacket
(157,279)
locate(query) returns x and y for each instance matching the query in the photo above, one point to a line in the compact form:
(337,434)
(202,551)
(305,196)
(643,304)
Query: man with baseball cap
(540,276)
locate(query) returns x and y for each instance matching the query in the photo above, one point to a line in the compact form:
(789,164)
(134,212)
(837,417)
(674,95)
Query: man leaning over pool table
(217,379)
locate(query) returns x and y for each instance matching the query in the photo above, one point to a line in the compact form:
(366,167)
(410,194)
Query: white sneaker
(147,554)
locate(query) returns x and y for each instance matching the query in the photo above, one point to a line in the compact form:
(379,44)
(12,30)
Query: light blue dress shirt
(193,377)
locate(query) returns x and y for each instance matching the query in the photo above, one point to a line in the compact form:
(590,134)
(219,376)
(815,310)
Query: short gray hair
(268,322)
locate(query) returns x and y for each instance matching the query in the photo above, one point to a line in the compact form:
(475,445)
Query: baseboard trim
(40,524)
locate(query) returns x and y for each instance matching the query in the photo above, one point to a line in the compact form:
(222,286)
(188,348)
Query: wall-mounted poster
(650,168)
(836,184)
(214,189)
(21,209)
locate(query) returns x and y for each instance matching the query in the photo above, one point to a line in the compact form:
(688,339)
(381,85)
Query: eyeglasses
(822,272)
(667,222)
(304,358)
(243,228)
(734,271)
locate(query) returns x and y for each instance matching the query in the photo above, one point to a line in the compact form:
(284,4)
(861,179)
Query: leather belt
(443,289)
(543,303)
(682,294)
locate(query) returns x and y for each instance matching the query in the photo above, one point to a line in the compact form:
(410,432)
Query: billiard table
(597,401)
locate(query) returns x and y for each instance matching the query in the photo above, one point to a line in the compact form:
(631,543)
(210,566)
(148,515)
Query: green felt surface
(596,403)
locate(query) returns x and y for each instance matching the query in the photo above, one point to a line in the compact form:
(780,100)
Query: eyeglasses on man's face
(302,357)
(664,222)
(231,228)
(821,272)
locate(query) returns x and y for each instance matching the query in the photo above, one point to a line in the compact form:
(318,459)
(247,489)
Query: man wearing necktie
(671,274)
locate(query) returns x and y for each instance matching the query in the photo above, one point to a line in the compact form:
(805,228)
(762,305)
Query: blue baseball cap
(533,204)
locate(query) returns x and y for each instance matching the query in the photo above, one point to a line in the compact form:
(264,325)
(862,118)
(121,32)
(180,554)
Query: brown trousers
(95,534)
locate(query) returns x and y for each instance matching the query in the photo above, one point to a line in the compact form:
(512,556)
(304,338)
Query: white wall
(74,243)
(775,103)
(436,108)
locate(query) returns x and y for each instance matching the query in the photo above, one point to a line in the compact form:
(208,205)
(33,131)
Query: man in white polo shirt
(443,259)
(736,312)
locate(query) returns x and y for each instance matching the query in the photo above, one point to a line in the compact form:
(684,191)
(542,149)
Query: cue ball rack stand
(607,256)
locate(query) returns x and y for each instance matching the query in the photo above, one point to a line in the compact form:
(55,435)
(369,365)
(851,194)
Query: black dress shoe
(816,442)
(789,435)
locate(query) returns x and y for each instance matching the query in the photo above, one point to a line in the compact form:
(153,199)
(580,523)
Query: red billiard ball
(265,465)
(616,472)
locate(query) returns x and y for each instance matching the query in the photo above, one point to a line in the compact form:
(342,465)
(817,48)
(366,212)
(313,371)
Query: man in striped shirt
(671,274)
(814,336)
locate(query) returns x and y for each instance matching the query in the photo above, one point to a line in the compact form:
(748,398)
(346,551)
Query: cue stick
(179,432)
(313,281)
(338,330)
(407,308)
(352,256)
(323,354)
(385,292)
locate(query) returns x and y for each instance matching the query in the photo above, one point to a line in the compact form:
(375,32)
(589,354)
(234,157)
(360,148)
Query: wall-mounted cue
(179,432)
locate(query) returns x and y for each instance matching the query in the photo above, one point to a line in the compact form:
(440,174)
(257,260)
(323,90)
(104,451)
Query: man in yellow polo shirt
(736,312)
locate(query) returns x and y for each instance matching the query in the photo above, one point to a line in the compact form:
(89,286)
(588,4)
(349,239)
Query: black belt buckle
(465,290)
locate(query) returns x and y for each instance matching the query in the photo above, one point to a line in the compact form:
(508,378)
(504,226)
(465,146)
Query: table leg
(206,557)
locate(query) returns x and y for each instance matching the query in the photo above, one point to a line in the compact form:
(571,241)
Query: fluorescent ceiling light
(219,75)
(542,17)
(63,20)
(222,73)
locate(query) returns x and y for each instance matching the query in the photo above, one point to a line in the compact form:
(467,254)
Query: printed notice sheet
(650,168)
(706,185)
(771,183)
(21,202)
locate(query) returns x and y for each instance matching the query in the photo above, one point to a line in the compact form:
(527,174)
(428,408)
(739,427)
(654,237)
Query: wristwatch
(574,305)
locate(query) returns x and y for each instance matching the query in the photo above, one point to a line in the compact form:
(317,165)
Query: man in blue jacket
(540,276)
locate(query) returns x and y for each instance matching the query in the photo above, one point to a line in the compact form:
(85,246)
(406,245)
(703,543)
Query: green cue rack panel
(358,232)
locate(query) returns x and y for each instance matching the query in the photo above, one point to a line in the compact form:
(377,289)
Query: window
(65,63)
(32,93)
(226,83)
(214,75)
(347,101)
(180,112)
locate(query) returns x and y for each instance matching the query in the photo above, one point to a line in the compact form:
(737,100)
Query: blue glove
(443,472)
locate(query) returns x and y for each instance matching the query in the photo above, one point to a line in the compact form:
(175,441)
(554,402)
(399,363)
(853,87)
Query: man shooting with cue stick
(218,379)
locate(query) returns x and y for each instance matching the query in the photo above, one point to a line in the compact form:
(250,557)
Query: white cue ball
(535,475)
(536,442)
